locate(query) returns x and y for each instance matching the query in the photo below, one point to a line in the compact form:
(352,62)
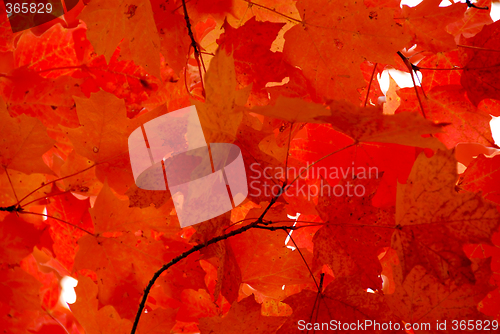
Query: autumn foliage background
(290,83)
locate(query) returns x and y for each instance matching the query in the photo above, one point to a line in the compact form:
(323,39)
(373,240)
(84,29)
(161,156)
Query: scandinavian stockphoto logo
(205,180)
(26,14)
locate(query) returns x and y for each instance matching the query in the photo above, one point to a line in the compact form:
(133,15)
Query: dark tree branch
(12,208)
(277,228)
(470,4)
(191,251)
(259,223)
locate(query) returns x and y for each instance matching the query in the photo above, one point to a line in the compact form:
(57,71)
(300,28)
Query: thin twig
(322,277)
(458,68)
(250,3)
(477,48)
(370,84)
(179,7)
(243,16)
(57,321)
(12,186)
(418,96)
(470,4)
(53,181)
(202,62)
(328,223)
(185,72)
(269,177)
(207,53)
(62,221)
(441,69)
(316,302)
(288,152)
(411,69)
(319,296)
(276,228)
(320,159)
(420,82)
(45,197)
(193,43)
(298,221)
(303,259)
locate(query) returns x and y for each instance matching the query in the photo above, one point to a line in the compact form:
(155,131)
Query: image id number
(471,325)
(24,8)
